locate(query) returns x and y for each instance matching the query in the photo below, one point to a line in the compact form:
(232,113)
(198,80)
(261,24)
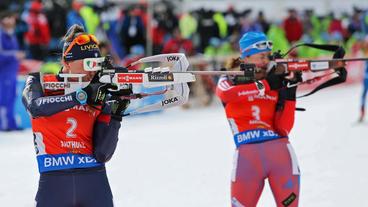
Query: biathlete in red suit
(74,134)
(260,120)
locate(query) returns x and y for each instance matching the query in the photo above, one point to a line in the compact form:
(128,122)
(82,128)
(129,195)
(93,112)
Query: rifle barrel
(328,60)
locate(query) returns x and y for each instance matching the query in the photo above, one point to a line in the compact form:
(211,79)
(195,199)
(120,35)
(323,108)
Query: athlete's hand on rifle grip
(294,77)
(118,107)
(96,93)
(276,81)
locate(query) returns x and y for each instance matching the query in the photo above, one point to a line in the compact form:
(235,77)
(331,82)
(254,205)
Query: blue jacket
(9,64)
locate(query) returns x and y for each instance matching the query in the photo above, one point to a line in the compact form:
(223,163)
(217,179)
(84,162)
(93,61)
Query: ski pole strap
(341,72)
(331,48)
(331,82)
(255,136)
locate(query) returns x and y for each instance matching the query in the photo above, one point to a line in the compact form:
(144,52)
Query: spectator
(207,28)
(177,44)
(261,19)
(9,61)
(293,27)
(336,26)
(132,31)
(73,16)
(38,35)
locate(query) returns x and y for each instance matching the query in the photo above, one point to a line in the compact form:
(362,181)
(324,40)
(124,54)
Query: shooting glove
(276,81)
(96,93)
(291,92)
(118,106)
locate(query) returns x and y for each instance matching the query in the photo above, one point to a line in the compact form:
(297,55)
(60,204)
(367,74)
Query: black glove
(96,93)
(118,106)
(342,74)
(291,93)
(276,81)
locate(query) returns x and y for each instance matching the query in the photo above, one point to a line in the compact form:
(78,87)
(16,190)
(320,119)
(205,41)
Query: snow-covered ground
(183,158)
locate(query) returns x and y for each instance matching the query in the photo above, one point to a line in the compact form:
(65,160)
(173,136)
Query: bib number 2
(73,125)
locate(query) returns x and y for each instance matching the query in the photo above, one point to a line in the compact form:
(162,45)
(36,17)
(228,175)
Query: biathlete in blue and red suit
(261,115)
(74,134)
(364,93)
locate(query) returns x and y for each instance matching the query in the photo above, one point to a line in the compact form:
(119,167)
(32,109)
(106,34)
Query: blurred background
(152,167)
(206,31)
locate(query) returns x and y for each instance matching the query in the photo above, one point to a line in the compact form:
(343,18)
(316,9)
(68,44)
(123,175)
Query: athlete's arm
(105,135)
(39,105)
(228,92)
(284,118)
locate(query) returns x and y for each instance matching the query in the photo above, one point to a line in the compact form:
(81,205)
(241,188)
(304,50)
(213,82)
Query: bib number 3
(256,112)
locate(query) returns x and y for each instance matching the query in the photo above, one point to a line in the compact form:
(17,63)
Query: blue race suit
(9,65)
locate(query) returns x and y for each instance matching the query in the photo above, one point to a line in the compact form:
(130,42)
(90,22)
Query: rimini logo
(157,77)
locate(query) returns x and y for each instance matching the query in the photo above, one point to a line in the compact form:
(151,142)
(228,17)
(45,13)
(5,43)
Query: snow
(184,157)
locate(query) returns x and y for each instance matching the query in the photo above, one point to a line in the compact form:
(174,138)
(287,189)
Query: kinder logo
(157,77)
(169,101)
(172,58)
(56,85)
(130,78)
(299,66)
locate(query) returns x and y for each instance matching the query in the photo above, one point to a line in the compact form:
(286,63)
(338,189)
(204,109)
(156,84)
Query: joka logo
(299,66)
(172,58)
(157,77)
(169,101)
(130,78)
(91,64)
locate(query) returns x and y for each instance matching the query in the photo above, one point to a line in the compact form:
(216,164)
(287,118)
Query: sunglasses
(81,40)
(260,46)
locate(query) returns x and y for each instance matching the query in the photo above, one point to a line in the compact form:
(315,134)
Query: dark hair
(72,32)
(233,63)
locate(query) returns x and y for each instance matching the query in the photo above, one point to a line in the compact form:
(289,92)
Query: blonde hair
(72,32)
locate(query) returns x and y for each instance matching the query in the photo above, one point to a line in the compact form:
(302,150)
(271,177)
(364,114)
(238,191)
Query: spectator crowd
(129,30)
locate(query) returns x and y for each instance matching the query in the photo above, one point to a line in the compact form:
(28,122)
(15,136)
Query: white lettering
(81,160)
(57,99)
(259,122)
(245,93)
(73,144)
(86,160)
(56,85)
(90,160)
(84,108)
(47,162)
(249,135)
(52,161)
